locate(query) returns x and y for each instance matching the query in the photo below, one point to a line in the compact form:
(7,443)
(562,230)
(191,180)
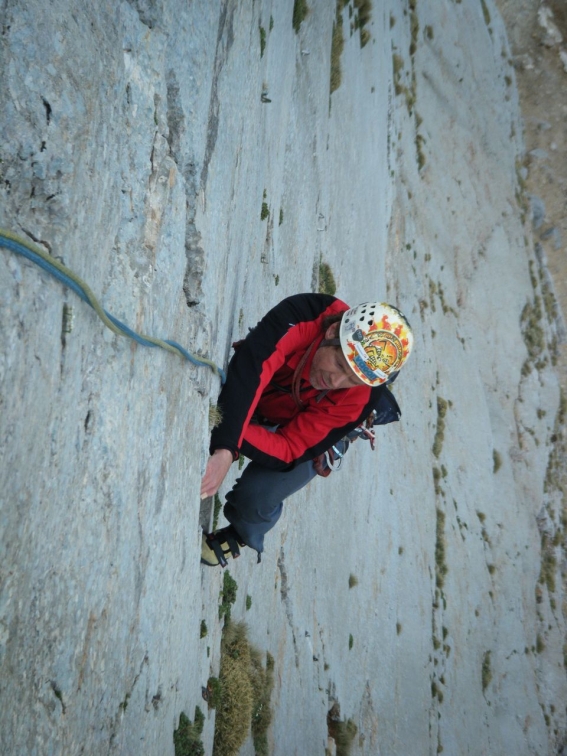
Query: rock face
(538,36)
(141,141)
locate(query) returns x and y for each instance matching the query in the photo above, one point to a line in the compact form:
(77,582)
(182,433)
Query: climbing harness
(68,278)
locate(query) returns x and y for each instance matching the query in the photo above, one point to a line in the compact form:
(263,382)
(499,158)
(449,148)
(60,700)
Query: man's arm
(217,467)
(280,333)
(318,428)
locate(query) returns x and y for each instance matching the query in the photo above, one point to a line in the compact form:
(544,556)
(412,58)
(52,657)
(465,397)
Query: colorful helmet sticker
(376,339)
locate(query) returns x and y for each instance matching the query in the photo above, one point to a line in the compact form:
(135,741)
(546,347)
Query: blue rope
(72,281)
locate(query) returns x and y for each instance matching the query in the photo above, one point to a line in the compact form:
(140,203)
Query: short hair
(330,319)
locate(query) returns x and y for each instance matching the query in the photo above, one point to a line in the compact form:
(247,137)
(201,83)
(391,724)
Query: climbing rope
(62,273)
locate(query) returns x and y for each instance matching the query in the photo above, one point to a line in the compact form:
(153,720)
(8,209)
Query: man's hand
(217,468)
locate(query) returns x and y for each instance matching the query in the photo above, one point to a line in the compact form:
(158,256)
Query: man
(308,375)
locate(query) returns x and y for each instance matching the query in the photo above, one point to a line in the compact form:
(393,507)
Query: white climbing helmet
(376,340)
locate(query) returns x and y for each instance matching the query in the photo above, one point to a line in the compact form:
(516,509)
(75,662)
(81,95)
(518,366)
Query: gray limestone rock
(136,148)
(537,207)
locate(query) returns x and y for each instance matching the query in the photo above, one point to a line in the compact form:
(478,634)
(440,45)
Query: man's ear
(332,331)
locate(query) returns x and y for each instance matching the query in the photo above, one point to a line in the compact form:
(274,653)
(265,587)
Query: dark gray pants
(255,503)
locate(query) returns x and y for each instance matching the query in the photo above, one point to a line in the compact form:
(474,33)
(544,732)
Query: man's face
(329,369)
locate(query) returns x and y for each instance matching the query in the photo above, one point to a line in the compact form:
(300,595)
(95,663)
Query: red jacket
(259,384)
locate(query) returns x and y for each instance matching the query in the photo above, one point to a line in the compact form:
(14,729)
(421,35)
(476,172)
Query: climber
(299,389)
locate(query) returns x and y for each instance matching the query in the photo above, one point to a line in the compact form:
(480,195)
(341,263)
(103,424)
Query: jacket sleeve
(318,428)
(307,435)
(280,332)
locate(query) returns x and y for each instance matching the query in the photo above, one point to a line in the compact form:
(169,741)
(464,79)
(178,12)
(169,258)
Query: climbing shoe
(217,546)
